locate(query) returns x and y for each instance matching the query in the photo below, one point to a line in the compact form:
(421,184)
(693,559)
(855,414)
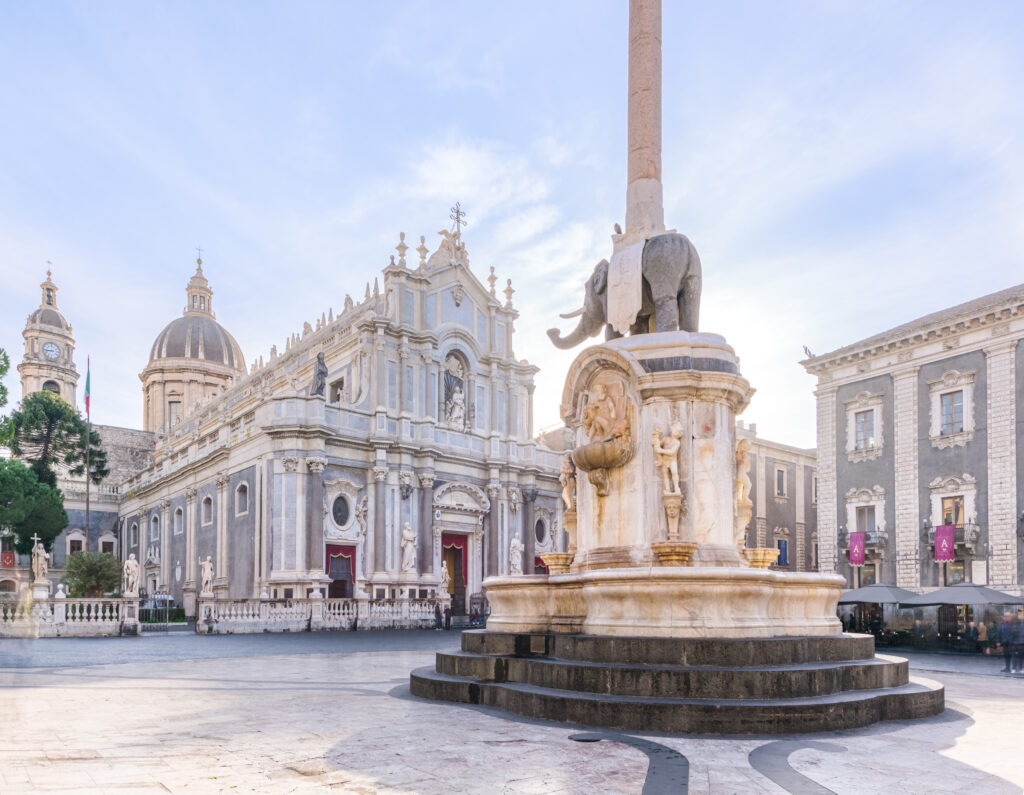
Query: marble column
(644,205)
(166,531)
(380,490)
(222,533)
(425,532)
(315,514)
(493,537)
(529,536)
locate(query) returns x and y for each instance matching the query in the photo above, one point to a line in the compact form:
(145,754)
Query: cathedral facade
(377,447)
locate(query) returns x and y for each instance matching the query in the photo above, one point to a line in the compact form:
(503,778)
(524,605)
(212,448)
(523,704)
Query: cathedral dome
(44,316)
(199,337)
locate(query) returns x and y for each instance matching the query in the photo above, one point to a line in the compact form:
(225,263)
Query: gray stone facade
(938,396)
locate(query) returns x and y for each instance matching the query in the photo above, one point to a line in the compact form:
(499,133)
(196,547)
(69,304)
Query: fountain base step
(727,686)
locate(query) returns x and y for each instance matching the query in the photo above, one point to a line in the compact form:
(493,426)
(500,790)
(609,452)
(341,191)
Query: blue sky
(842,167)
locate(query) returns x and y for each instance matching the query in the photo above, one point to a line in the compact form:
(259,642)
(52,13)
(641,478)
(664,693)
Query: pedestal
(41,589)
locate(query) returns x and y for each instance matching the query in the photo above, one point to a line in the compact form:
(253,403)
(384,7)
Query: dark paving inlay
(668,771)
(771,760)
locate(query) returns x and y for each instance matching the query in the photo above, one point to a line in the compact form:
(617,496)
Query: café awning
(875,594)
(965,593)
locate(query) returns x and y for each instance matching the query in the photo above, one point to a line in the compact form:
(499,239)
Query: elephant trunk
(573,338)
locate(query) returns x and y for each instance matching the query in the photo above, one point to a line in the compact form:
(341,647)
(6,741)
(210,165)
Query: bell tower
(48,362)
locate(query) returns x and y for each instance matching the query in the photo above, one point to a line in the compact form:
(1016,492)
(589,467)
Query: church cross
(35,538)
(458,217)
(199,254)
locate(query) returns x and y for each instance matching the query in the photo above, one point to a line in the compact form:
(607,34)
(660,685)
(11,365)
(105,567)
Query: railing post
(130,615)
(60,608)
(316,610)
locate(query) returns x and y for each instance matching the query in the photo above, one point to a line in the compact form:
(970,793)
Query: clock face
(51,351)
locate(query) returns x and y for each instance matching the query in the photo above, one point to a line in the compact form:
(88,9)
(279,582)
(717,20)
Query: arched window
(52,386)
(75,541)
(154,528)
(207,511)
(133,535)
(49,296)
(242,499)
(8,586)
(179,521)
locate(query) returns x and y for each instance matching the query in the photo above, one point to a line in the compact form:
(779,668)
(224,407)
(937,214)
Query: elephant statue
(671,293)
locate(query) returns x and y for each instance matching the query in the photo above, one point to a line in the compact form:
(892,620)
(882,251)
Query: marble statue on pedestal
(515,555)
(131,576)
(456,407)
(568,481)
(206,577)
(40,561)
(666,451)
(408,548)
(446,579)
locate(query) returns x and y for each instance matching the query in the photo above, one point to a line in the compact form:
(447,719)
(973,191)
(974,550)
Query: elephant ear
(601,276)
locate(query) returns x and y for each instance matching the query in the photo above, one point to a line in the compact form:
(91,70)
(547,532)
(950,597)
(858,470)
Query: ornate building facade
(377,446)
(917,429)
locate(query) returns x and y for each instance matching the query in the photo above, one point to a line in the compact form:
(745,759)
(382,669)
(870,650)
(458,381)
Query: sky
(841,167)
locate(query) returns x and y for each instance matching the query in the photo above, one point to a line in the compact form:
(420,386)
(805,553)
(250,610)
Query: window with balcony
(953,511)
(866,519)
(952,409)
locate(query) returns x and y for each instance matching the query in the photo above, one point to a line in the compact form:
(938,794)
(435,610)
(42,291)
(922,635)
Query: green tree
(5,365)
(28,507)
(47,431)
(92,574)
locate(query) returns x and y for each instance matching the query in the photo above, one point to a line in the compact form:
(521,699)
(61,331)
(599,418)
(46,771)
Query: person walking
(982,637)
(447,617)
(1006,638)
(437,617)
(1018,646)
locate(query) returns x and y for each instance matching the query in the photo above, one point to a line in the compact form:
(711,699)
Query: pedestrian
(447,617)
(1018,646)
(983,636)
(1006,636)
(437,617)
(476,617)
(971,636)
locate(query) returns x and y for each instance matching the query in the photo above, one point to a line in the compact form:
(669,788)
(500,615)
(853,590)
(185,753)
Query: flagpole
(88,448)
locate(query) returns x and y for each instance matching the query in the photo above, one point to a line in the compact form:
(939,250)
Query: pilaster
(906,492)
(1002,462)
(424,534)
(828,509)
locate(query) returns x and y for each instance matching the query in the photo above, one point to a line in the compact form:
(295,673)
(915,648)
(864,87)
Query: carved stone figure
(568,480)
(408,548)
(40,562)
(515,555)
(601,422)
(446,578)
(319,386)
(671,293)
(131,576)
(361,511)
(666,451)
(743,471)
(206,577)
(456,408)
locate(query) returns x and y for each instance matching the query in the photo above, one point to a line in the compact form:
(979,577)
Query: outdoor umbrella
(875,594)
(966,593)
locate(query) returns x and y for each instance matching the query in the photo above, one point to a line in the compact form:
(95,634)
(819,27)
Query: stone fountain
(657,618)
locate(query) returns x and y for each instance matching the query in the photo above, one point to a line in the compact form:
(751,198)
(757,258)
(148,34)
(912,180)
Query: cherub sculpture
(666,451)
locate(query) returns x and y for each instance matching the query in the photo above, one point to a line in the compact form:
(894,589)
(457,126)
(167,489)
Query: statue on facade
(446,579)
(319,386)
(567,478)
(206,576)
(743,484)
(515,555)
(408,548)
(40,561)
(131,576)
(456,409)
(666,453)
(361,510)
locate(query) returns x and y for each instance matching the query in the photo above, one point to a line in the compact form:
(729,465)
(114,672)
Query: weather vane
(199,255)
(458,217)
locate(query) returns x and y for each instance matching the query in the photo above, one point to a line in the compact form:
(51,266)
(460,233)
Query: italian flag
(87,392)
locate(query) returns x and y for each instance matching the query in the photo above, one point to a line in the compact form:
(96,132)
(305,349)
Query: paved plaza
(312,711)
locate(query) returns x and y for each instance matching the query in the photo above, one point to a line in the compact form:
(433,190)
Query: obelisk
(645,215)
(644,207)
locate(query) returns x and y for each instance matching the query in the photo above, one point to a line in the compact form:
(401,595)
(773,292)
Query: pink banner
(945,546)
(857,541)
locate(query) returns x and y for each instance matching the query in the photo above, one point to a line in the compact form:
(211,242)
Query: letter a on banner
(945,548)
(857,541)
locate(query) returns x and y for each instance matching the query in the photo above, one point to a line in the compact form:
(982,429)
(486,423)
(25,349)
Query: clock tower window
(52,386)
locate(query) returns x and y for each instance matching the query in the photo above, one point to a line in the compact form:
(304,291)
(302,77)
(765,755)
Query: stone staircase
(698,685)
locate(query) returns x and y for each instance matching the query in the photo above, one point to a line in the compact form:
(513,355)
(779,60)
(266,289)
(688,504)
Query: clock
(51,351)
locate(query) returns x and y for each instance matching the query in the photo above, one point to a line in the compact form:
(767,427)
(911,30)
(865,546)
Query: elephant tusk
(577,313)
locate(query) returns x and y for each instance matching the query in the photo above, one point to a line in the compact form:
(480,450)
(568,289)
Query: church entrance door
(341,570)
(453,557)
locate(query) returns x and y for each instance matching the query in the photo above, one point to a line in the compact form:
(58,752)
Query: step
(738,652)
(918,698)
(669,681)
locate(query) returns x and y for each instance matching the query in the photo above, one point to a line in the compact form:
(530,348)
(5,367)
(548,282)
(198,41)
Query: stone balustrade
(61,617)
(242,616)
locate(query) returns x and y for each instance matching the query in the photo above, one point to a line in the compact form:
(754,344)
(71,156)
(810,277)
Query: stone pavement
(308,712)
